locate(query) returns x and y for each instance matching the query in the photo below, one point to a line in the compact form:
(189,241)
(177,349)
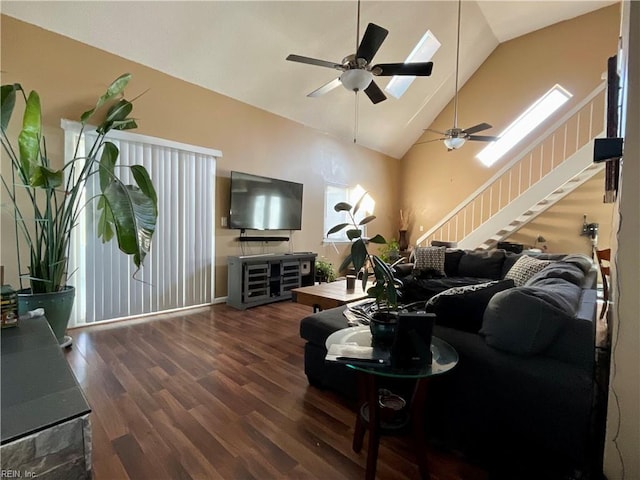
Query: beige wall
(562,223)
(572,53)
(70,76)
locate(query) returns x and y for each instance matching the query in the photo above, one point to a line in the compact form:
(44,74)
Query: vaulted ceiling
(238,48)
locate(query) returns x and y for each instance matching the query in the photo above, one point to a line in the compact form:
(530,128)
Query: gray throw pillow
(525,268)
(519,322)
(429,258)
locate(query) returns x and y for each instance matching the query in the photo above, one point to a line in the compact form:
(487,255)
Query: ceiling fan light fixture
(356,80)
(454,143)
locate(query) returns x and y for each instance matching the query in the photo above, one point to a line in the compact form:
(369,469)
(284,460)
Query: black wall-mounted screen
(263,203)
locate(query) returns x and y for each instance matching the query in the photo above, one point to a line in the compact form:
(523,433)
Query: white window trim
(340,237)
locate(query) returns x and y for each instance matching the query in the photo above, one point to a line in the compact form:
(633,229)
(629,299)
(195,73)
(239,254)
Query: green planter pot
(57,307)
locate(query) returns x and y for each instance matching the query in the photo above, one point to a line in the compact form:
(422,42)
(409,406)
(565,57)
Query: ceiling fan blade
(374,93)
(482,138)
(477,128)
(314,61)
(371,41)
(327,87)
(420,69)
(434,131)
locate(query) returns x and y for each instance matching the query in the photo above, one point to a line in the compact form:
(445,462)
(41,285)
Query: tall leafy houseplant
(47,202)
(385,287)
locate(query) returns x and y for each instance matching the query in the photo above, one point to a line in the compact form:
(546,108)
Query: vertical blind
(178,272)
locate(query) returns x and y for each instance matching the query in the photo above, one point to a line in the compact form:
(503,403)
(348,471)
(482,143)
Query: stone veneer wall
(60,452)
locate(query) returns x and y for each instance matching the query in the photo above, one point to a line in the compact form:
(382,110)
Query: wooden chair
(604,262)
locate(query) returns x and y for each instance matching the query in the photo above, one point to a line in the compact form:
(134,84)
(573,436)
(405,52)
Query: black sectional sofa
(520,400)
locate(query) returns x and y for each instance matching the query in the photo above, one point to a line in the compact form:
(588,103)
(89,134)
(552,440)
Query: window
(524,124)
(422,52)
(340,193)
(179,270)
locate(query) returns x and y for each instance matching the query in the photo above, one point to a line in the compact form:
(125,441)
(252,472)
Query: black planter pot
(383,326)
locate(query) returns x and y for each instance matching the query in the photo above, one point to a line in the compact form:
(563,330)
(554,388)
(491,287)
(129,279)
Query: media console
(254,280)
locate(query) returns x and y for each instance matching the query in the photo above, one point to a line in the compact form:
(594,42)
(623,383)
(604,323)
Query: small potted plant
(324,271)
(45,202)
(385,288)
(390,251)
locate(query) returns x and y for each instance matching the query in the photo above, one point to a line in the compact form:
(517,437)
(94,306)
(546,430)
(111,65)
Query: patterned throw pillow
(461,291)
(463,307)
(525,268)
(430,258)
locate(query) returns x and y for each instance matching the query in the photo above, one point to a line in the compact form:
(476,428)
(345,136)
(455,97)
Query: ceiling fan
(456,137)
(357,71)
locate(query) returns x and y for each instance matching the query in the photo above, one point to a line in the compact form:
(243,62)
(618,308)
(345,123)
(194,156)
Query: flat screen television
(263,203)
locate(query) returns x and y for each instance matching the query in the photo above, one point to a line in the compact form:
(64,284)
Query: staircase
(545,171)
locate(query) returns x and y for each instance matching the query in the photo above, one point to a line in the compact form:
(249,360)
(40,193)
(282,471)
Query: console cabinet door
(256,282)
(290,277)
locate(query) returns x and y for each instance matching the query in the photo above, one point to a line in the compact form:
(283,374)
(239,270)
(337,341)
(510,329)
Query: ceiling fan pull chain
(355,119)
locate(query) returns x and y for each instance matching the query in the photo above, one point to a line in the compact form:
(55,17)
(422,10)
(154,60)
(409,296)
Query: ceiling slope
(238,49)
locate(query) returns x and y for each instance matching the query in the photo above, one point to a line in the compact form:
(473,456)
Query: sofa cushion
(403,270)
(581,261)
(317,327)
(463,307)
(559,293)
(421,287)
(527,320)
(430,258)
(452,261)
(525,268)
(482,264)
(567,271)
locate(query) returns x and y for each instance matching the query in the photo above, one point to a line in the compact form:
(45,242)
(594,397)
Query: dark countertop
(38,387)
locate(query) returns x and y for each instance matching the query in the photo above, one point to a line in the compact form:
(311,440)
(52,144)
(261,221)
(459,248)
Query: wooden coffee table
(328,295)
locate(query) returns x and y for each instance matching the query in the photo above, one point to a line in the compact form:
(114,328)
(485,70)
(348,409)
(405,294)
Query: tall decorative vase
(403,243)
(57,308)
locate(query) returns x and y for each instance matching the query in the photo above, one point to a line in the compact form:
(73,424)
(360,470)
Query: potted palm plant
(385,288)
(45,202)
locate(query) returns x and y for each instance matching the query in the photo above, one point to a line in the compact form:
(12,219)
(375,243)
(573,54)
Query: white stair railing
(566,137)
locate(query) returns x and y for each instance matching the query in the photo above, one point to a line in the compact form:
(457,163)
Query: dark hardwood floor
(218,393)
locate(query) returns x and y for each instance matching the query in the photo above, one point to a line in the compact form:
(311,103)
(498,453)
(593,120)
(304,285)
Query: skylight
(422,52)
(524,124)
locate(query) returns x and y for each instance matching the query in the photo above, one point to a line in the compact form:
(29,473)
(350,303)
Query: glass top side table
(444,359)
